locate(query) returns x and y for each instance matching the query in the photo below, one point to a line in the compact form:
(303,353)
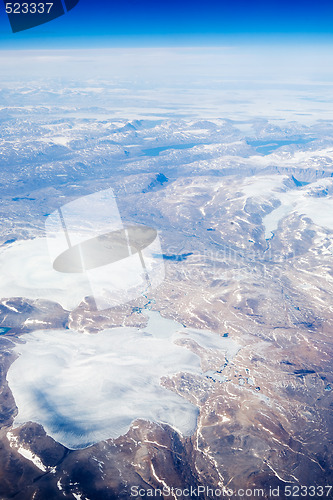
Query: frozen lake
(268,146)
(86,388)
(319,210)
(157,150)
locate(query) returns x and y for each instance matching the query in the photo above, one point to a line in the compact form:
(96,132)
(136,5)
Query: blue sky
(168,22)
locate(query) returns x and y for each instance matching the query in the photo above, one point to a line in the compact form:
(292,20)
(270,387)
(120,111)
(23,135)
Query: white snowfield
(86,388)
(28,272)
(301,201)
(14,443)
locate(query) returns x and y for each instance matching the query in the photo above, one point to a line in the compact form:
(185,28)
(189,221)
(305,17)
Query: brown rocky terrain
(266,424)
